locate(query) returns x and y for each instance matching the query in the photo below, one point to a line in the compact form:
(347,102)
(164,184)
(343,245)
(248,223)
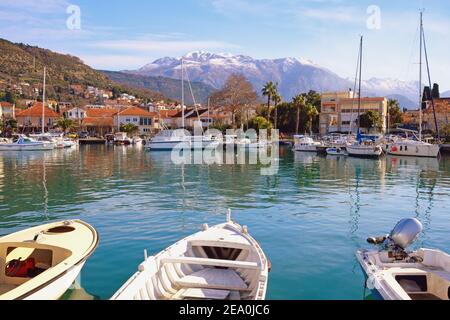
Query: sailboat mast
(43,103)
(360,76)
(420,77)
(182,93)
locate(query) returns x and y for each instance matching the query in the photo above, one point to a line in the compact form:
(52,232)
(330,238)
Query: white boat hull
(383,274)
(364,151)
(220,263)
(310,148)
(31,147)
(168,145)
(414,150)
(57,288)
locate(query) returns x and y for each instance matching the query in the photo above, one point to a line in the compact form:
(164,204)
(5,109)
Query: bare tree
(236,94)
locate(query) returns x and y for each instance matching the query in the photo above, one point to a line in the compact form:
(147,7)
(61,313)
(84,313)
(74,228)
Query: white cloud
(162,45)
(40,6)
(115,62)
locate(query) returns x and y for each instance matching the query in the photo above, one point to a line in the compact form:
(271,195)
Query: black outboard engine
(401,237)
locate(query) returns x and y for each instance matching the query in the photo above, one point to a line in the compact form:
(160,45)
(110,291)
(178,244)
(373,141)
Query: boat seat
(220,279)
(203,294)
(212,262)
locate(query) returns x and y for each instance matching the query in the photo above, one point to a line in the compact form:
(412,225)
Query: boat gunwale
(91,249)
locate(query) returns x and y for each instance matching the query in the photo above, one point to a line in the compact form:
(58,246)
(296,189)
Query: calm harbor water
(309,219)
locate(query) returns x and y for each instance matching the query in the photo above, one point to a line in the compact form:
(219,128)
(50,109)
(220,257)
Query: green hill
(170,88)
(23,63)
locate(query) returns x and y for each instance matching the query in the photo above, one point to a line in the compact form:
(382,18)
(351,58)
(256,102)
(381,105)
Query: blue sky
(120,35)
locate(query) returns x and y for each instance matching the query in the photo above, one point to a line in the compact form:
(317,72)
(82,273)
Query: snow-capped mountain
(293,75)
(445,94)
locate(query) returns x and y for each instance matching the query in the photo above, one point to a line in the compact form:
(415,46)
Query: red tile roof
(135,111)
(36,111)
(100,113)
(98,122)
(167,113)
(6,104)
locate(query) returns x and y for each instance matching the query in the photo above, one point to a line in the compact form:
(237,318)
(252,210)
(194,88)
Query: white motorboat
(23,143)
(336,151)
(305,144)
(397,274)
(137,140)
(49,139)
(364,149)
(121,138)
(41,263)
(222,262)
(169,139)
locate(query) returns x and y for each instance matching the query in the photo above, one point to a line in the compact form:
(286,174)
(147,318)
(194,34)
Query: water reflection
(141,199)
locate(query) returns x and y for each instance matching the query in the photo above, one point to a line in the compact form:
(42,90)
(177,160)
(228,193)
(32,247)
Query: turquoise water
(309,219)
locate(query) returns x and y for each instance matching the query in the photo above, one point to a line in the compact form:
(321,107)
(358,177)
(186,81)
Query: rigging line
(354,91)
(407,70)
(429,83)
(193,99)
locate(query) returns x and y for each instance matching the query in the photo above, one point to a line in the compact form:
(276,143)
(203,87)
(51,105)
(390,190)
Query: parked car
(83,135)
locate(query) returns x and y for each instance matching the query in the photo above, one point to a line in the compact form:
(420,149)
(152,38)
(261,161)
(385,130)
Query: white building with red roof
(141,118)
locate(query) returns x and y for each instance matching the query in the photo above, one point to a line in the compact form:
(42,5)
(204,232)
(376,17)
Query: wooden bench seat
(219,279)
(212,262)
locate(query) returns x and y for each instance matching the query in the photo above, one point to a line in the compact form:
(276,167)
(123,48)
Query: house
(76,114)
(141,118)
(191,116)
(31,119)
(339,111)
(98,121)
(442,110)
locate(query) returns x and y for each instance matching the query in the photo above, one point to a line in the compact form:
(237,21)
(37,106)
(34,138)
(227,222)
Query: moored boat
(222,262)
(305,144)
(397,274)
(365,149)
(169,140)
(42,262)
(23,143)
(121,138)
(336,151)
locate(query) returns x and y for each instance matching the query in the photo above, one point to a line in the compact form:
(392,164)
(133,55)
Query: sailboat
(416,147)
(363,148)
(167,140)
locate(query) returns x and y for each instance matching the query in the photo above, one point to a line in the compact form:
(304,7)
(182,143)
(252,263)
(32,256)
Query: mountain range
(293,75)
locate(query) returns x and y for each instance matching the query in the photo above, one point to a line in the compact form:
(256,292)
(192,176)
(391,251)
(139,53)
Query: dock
(91,141)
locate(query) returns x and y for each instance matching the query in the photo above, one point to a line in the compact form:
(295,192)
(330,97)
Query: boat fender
(245,229)
(205,227)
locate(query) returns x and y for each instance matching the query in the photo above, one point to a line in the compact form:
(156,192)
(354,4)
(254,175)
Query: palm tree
(311,113)
(299,101)
(276,98)
(269,90)
(65,124)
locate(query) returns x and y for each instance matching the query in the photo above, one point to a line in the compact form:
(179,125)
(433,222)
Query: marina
(236,158)
(310,218)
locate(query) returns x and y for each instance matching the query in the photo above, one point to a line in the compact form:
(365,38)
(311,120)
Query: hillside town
(335,113)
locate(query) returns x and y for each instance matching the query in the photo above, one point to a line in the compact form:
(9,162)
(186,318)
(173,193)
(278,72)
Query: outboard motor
(406,232)
(401,237)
